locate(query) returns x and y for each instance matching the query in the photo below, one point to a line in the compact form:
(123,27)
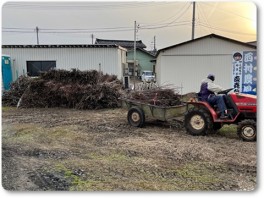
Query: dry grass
(98,150)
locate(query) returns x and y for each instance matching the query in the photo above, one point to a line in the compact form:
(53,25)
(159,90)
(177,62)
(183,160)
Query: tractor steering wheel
(225,92)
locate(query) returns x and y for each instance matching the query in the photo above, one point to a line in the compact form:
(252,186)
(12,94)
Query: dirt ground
(67,149)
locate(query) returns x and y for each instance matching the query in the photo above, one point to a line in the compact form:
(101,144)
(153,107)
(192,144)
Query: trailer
(139,111)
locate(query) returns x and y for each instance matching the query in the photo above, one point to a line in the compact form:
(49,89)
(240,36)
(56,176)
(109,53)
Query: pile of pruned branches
(71,89)
(17,88)
(76,76)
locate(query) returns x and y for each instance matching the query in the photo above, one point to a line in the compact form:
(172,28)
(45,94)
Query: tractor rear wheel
(198,121)
(136,117)
(246,130)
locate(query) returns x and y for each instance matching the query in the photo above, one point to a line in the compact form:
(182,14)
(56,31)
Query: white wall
(121,64)
(190,70)
(188,64)
(68,58)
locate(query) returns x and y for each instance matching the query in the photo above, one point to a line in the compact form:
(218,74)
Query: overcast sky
(170,22)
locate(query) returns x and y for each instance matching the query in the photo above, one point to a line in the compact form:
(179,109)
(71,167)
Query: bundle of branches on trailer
(72,89)
(17,88)
(162,96)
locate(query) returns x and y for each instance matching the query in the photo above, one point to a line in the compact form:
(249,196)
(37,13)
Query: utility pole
(135,32)
(193,20)
(37,30)
(155,43)
(92,38)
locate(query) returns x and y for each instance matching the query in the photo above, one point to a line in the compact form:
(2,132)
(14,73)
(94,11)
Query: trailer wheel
(246,130)
(197,121)
(136,117)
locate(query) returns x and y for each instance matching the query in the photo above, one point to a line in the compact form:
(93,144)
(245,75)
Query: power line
(167,25)
(162,25)
(173,23)
(68,31)
(225,30)
(17,31)
(202,14)
(171,17)
(89,30)
(84,6)
(19,28)
(229,12)
(120,29)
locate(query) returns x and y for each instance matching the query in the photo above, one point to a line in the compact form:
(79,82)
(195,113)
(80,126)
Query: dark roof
(144,51)
(59,46)
(209,36)
(123,43)
(153,53)
(253,43)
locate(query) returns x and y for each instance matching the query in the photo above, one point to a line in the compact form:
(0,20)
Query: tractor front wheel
(197,121)
(246,130)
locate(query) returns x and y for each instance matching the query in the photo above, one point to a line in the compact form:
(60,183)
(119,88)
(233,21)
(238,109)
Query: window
(130,68)
(35,67)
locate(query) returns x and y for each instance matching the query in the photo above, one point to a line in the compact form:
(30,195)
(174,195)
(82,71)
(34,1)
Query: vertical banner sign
(249,73)
(245,72)
(237,71)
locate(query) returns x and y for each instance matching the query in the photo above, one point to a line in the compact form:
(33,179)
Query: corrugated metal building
(186,64)
(110,59)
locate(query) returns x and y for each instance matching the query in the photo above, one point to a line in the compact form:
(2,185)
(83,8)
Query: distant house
(144,58)
(187,63)
(32,59)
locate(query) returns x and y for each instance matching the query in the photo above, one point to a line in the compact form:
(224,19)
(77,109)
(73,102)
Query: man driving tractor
(208,93)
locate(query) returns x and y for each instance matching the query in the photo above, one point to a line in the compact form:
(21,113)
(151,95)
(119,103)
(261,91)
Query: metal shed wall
(110,59)
(186,65)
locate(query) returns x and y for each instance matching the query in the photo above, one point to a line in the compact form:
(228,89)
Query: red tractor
(201,118)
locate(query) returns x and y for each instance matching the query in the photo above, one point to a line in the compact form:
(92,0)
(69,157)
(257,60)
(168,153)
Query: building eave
(61,46)
(207,36)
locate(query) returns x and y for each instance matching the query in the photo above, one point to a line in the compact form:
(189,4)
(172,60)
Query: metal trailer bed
(138,111)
